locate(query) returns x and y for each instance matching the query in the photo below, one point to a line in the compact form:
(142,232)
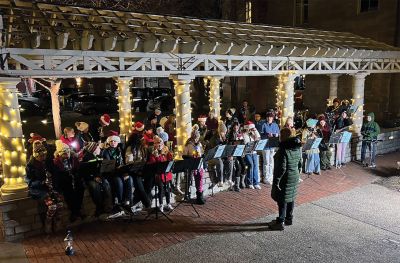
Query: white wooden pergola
(51,41)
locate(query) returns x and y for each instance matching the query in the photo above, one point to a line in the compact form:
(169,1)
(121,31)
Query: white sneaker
(269,182)
(300,180)
(257,187)
(178,191)
(220,184)
(116,215)
(168,207)
(136,209)
(161,208)
(230,183)
(251,186)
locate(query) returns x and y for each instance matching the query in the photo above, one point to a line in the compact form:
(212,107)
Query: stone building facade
(375,19)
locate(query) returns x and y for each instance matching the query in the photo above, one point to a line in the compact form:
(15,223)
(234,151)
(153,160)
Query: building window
(368,5)
(248,11)
(301,14)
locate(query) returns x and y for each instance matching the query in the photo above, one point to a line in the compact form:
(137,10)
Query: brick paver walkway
(225,212)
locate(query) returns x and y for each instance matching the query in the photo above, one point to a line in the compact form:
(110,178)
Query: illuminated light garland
(215,98)
(13,153)
(285,95)
(124,106)
(183,111)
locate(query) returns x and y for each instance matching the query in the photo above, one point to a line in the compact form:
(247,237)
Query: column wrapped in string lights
(333,88)
(183,110)
(285,95)
(11,142)
(215,98)
(358,101)
(125,106)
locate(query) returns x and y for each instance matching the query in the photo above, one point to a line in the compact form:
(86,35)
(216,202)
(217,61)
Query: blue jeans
(252,171)
(313,163)
(122,189)
(372,151)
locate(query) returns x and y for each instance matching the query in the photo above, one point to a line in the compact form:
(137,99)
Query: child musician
(194,149)
(161,153)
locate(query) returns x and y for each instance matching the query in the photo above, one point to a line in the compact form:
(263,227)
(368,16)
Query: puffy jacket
(287,167)
(370,129)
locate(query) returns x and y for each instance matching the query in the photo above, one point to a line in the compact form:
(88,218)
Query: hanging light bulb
(78,82)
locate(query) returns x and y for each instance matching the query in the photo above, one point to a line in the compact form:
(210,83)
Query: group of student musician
(75,165)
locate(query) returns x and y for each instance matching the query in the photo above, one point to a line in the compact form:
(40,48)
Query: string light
(124,106)
(183,113)
(285,95)
(12,151)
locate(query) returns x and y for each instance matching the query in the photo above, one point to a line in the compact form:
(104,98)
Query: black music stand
(335,138)
(186,166)
(155,169)
(273,142)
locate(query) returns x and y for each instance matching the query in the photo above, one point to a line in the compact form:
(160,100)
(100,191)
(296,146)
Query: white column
(215,99)
(183,110)
(285,95)
(358,101)
(13,154)
(55,107)
(124,105)
(333,87)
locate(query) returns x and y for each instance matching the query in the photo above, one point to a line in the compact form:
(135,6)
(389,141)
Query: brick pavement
(225,212)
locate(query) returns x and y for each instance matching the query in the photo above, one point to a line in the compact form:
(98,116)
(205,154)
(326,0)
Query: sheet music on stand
(346,137)
(312,144)
(219,152)
(239,150)
(261,145)
(107,166)
(188,164)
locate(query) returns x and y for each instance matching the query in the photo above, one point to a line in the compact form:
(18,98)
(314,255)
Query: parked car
(94,104)
(32,106)
(165,103)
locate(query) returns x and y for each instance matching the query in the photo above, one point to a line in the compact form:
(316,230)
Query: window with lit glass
(368,5)
(248,11)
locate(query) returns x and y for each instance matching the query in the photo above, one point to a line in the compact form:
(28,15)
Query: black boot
(276,226)
(236,187)
(200,200)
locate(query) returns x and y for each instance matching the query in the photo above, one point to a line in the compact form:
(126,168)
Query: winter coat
(113,154)
(161,156)
(342,124)
(287,166)
(259,124)
(67,177)
(370,129)
(36,177)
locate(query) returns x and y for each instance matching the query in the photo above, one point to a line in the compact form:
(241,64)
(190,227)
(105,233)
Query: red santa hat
(113,136)
(249,125)
(138,126)
(202,118)
(113,133)
(105,119)
(36,137)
